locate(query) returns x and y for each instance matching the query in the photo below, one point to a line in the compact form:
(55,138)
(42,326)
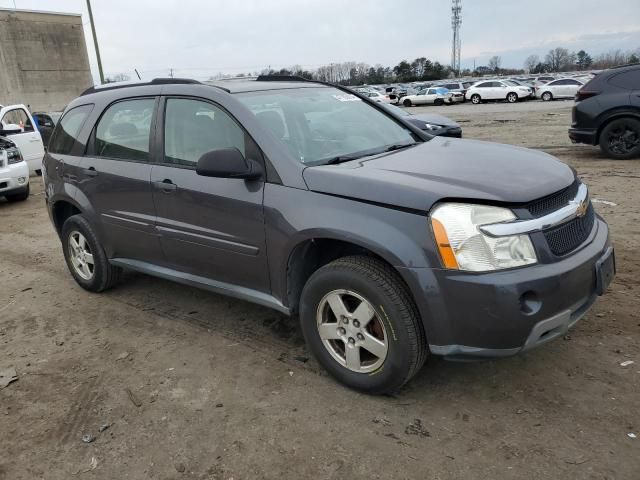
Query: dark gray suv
(388,243)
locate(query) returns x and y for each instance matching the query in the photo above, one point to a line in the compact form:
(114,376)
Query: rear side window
(123,131)
(629,80)
(66,132)
(193,128)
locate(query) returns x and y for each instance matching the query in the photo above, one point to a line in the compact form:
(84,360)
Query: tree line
(558,59)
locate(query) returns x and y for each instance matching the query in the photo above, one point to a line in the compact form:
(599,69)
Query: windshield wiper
(348,158)
(399,146)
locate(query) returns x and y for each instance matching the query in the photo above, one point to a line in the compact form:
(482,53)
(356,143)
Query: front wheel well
(312,254)
(61,211)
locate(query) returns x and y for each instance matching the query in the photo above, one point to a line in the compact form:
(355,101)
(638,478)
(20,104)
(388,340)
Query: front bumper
(583,135)
(10,176)
(469,315)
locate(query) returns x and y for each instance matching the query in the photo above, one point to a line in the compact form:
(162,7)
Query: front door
(27,138)
(209,227)
(114,176)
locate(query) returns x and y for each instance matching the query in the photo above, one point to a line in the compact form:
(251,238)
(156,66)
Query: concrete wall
(43,59)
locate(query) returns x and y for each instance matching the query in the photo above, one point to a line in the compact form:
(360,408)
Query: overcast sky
(200,38)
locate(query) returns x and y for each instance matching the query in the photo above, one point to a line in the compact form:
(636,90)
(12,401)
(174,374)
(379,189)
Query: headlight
(13,156)
(463,246)
(432,126)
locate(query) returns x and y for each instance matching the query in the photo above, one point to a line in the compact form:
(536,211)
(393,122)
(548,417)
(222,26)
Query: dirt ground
(195,385)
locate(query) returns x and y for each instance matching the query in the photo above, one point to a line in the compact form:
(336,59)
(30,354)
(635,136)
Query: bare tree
(530,62)
(560,59)
(494,63)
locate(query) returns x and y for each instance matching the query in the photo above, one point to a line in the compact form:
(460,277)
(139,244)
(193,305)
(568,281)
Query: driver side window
(17,117)
(194,127)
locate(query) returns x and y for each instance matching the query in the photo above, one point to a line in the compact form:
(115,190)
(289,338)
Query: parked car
(456,87)
(17,124)
(607,113)
(431,123)
(377,96)
(523,83)
(497,90)
(428,96)
(46,122)
(389,244)
(14,172)
(562,88)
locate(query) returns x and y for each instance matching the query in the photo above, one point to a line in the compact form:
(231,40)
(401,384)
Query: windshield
(320,125)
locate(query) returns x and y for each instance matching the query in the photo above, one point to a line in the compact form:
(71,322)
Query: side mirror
(10,129)
(228,163)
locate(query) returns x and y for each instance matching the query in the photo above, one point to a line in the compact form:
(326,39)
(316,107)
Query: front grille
(553,202)
(569,236)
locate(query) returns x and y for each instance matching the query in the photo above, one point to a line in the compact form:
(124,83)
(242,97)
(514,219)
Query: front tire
(86,259)
(407,103)
(362,325)
(438,102)
(620,139)
(512,97)
(475,99)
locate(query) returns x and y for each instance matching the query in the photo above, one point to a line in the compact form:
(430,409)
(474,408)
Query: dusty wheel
(362,325)
(512,97)
(620,139)
(407,103)
(18,197)
(475,99)
(85,256)
(547,97)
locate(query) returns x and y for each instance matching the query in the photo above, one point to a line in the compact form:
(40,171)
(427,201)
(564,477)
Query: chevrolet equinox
(388,243)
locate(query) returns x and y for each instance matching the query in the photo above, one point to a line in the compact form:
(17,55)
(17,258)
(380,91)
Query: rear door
(27,138)
(209,227)
(114,176)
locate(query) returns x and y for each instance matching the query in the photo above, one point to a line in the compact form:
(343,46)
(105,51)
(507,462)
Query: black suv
(607,112)
(389,243)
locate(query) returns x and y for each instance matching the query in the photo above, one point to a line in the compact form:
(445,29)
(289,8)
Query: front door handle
(90,172)
(165,185)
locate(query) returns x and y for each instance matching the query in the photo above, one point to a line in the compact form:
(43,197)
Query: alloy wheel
(81,256)
(352,331)
(624,139)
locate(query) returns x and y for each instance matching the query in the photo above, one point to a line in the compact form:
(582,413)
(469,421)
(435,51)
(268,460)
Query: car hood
(435,119)
(444,168)
(6,143)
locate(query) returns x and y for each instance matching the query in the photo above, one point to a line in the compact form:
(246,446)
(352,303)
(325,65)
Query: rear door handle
(90,172)
(165,185)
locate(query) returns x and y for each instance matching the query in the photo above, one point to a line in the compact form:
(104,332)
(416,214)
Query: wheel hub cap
(352,331)
(80,255)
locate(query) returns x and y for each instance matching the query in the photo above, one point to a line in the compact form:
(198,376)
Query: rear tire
(547,97)
(620,139)
(86,259)
(18,197)
(388,318)
(407,103)
(475,99)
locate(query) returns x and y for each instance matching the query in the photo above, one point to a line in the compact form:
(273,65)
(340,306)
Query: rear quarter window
(629,80)
(66,132)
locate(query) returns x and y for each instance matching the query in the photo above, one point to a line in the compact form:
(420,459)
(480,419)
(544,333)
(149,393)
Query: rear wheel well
(310,255)
(614,117)
(61,211)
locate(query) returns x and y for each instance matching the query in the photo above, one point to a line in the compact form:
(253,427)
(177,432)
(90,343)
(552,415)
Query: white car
(497,90)
(14,172)
(377,96)
(428,96)
(561,88)
(16,123)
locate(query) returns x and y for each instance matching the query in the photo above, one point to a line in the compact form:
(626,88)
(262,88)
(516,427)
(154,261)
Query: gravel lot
(195,385)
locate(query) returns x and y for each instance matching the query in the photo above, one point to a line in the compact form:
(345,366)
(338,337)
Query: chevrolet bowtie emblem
(581,211)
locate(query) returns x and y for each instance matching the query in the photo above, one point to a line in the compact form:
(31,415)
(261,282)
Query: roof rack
(155,81)
(283,78)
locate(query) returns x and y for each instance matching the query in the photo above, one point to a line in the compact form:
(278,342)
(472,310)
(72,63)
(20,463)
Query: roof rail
(283,78)
(155,81)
